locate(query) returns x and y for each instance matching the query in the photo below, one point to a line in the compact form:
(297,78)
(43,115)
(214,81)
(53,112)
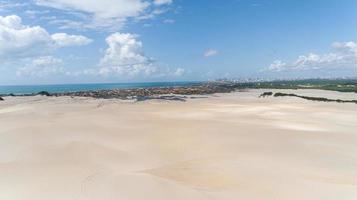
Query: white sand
(231,146)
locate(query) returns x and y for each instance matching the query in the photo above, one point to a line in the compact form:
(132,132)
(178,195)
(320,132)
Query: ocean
(29,89)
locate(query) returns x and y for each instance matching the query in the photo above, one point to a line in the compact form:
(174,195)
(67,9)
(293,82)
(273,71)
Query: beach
(218,147)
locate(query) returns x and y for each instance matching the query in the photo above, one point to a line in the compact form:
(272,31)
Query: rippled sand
(226,146)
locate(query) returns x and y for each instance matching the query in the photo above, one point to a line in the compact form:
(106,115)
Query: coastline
(183,92)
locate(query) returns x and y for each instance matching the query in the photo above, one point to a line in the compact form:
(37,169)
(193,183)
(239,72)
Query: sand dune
(226,146)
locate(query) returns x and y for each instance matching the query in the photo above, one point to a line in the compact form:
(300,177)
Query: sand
(224,146)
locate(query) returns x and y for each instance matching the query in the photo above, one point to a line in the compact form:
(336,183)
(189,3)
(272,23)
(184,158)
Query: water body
(29,89)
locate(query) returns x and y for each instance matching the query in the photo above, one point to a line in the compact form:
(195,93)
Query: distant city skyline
(90,41)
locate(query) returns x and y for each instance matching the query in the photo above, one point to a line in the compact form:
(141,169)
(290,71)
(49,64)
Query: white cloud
(64,40)
(169,21)
(17,40)
(41,67)
(6,5)
(179,72)
(277,65)
(346,47)
(162,2)
(152,14)
(344,55)
(107,13)
(33,14)
(21,41)
(67,24)
(210,53)
(100,9)
(124,56)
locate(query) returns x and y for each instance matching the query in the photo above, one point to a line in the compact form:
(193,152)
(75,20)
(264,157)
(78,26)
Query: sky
(91,41)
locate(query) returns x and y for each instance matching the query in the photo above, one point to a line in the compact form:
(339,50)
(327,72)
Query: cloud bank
(42,67)
(343,56)
(21,41)
(111,14)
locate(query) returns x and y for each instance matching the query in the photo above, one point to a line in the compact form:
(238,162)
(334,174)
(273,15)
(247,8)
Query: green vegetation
(340,85)
(44,93)
(266,94)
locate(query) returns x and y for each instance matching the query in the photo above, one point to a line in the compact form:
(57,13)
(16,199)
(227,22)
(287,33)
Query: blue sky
(77,41)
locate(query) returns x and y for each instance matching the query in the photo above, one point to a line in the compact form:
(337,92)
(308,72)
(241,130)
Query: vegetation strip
(279,94)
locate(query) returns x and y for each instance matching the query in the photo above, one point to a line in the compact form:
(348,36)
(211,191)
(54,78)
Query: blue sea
(29,89)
